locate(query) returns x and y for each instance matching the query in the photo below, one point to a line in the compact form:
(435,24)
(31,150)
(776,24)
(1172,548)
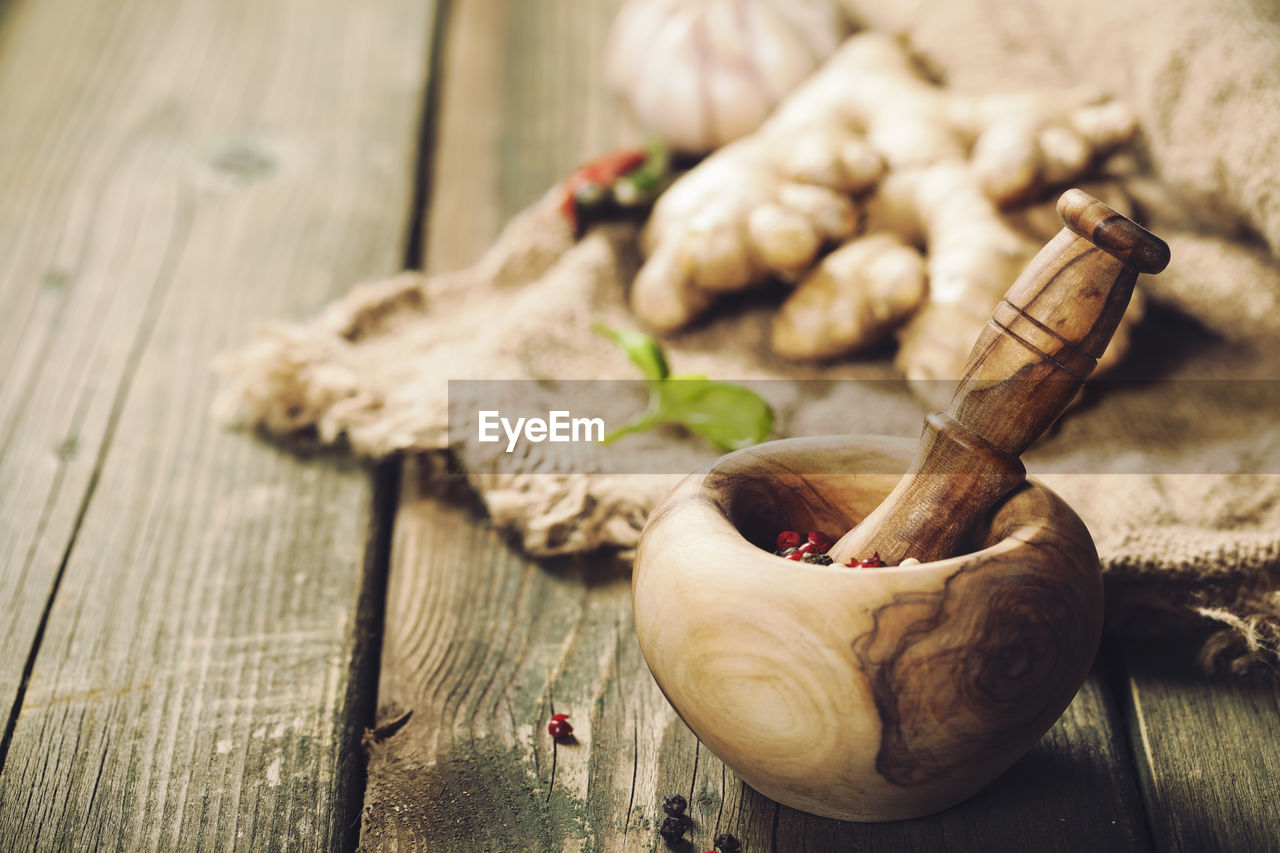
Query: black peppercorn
(819,559)
(675,805)
(673,829)
(726,843)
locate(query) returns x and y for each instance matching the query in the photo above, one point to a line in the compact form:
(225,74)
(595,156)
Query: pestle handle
(1047,334)
(1041,343)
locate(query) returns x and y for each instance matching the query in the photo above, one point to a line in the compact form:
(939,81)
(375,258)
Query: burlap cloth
(1175,475)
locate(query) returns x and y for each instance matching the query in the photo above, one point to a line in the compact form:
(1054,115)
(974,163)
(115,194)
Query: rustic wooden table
(199,627)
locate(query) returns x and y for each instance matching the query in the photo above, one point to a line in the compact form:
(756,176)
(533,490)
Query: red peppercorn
(872,562)
(796,556)
(789,539)
(806,548)
(820,541)
(559,728)
(559,717)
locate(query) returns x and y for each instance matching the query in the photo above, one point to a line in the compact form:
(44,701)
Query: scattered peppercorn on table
(211,644)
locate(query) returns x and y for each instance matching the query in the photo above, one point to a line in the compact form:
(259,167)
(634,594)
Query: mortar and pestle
(876,694)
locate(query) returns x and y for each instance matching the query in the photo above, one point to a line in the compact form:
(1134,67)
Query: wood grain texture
(1206,750)
(864,694)
(183,602)
(481,658)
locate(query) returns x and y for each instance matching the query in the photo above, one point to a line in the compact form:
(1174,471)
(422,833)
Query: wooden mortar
(891,693)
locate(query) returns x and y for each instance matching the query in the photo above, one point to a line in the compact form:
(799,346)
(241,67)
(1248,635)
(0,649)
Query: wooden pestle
(1041,343)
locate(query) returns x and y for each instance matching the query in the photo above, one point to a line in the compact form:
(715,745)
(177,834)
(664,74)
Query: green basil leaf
(643,351)
(729,416)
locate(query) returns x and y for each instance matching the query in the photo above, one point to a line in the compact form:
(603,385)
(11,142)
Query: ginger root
(856,295)
(762,206)
(867,143)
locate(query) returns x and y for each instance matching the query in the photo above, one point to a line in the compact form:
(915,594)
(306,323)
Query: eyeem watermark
(1223,426)
(559,426)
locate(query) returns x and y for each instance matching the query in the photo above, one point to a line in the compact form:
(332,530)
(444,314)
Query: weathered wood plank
(170,172)
(1208,752)
(521,103)
(482,658)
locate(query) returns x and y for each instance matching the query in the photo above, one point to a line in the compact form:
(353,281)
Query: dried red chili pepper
(602,172)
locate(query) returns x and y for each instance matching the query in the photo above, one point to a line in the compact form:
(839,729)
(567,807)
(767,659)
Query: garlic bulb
(700,73)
